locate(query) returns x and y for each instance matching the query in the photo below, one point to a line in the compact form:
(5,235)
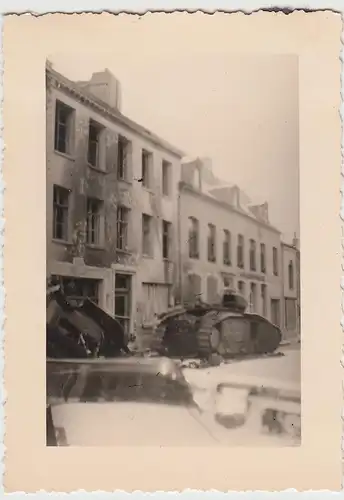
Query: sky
(240,110)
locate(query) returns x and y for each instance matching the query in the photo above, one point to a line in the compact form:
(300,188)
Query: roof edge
(113,114)
(183,186)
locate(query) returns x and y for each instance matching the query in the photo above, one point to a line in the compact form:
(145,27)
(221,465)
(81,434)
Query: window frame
(99,128)
(253,255)
(193,237)
(58,190)
(123,158)
(147,235)
(146,167)
(241,252)
(94,216)
(122,226)
(68,125)
(166,167)
(227,254)
(166,239)
(211,243)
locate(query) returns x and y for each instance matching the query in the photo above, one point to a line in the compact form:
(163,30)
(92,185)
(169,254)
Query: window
(123,300)
(241,288)
(211,243)
(275,312)
(146,168)
(240,251)
(262,258)
(212,296)
(94,131)
(60,213)
(123,158)
(146,235)
(122,227)
(93,226)
(253,297)
(275,261)
(291,275)
(64,120)
(166,239)
(166,178)
(226,247)
(252,255)
(228,281)
(290,314)
(264,301)
(78,289)
(193,238)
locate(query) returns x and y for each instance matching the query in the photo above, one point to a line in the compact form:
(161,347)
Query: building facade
(224,243)
(112,189)
(291,289)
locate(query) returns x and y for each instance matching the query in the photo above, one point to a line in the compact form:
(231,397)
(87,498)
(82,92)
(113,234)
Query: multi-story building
(112,189)
(225,242)
(291,289)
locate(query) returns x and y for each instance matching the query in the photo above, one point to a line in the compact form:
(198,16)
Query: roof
(111,113)
(186,187)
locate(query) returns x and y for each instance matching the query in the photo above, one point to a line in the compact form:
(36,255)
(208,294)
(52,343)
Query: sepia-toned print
(173,271)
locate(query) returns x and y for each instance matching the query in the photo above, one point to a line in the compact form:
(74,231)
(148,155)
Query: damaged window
(122,227)
(94,133)
(123,158)
(64,119)
(60,213)
(146,168)
(93,227)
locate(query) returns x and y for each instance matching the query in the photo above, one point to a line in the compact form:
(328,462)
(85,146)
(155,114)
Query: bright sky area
(241,111)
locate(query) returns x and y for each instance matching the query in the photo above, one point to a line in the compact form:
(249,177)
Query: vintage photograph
(173,251)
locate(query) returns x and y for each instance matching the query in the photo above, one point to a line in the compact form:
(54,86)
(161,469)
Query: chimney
(296,242)
(105,86)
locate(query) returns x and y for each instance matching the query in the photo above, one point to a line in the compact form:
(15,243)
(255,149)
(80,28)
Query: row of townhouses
(137,228)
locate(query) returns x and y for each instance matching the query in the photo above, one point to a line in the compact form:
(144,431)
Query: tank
(201,330)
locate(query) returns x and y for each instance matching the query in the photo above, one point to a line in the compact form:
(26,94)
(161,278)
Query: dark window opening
(63,127)
(60,213)
(94,131)
(166,239)
(211,243)
(240,251)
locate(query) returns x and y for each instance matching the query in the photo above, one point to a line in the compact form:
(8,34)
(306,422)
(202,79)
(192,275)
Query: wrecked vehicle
(81,331)
(202,330)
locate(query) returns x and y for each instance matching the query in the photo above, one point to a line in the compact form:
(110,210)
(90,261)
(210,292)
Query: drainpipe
(179,250)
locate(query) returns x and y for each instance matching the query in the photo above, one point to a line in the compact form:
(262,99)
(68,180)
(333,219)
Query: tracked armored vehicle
(226,329)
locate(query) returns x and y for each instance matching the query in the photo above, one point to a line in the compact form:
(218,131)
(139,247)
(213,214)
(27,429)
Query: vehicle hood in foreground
(130,424)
